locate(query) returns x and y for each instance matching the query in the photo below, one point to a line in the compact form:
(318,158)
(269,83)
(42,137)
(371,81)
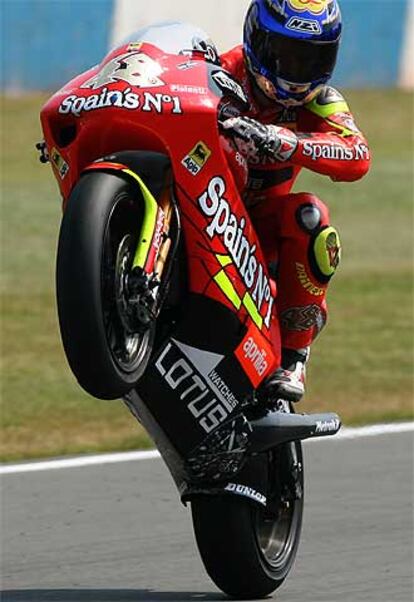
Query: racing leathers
(301,247)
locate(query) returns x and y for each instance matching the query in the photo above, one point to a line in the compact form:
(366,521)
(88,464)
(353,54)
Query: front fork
(154,241)
(145,282)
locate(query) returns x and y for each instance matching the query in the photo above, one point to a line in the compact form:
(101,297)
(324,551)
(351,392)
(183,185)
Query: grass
(361,366)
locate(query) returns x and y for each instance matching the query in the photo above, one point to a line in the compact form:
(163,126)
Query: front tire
(97,241)
(248,551)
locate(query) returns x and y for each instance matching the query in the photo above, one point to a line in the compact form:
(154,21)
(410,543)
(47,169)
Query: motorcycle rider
(295,120)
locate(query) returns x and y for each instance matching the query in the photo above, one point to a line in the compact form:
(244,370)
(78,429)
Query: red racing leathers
(301,247)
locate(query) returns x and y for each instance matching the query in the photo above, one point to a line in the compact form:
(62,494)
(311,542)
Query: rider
(295,120)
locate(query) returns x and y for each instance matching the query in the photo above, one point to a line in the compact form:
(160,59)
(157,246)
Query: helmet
(290,47)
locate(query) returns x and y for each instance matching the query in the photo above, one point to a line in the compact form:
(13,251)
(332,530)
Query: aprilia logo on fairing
(224,223)
(335,152)
(247,492)
(146,102)
(256,356)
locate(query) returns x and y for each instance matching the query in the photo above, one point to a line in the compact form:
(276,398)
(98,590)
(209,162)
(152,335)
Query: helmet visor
(292,59)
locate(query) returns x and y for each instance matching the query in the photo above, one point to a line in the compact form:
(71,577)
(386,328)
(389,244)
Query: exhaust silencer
(278,427)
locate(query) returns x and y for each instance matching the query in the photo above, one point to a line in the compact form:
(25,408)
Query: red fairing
(142,98)
(237,163)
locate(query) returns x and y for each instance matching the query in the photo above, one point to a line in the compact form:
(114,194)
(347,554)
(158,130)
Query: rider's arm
(328,141)
(331,143)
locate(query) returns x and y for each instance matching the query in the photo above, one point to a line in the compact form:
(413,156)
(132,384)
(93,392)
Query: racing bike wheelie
(165,299)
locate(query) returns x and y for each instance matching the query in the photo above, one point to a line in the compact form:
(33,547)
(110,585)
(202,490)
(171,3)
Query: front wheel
(247,550)
(97,242)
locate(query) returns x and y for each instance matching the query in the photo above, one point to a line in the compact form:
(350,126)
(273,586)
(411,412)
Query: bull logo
(315,7)
(200,153)
(137,69)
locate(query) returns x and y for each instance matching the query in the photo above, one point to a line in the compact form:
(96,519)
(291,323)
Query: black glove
(257,141)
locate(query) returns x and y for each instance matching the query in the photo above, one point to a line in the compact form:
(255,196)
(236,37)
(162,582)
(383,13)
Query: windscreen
(174,37)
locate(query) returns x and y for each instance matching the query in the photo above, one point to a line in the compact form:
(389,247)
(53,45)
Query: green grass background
(361,366)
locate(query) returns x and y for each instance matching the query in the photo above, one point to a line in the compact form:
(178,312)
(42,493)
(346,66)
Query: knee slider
(324,253)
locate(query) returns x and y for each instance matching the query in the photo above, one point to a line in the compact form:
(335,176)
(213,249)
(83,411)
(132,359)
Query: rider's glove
(258,142)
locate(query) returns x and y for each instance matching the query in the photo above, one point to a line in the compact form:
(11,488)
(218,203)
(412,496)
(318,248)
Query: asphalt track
(117,532)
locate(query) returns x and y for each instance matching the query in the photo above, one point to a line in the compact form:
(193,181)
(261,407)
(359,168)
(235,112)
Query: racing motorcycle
(164,296)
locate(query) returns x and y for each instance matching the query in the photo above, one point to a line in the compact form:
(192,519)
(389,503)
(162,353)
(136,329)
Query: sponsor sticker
(134,46)
(192,374)
(197,158)
(344,122)
(335,152)
(307,283)
(327,426)
(127,99)
(255,356)
(312,6)
(300,319)
(227,84)
(59,162)
(246,492)
(183,88)
(304,25)
(231,230)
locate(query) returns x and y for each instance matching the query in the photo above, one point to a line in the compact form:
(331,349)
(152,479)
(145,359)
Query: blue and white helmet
(291,46)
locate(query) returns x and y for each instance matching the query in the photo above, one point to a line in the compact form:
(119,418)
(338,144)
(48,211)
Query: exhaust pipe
(278,427)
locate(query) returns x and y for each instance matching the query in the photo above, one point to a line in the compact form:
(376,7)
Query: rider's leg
(304,250)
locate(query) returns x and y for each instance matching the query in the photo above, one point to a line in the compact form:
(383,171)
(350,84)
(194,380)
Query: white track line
(80,461)
(366,431)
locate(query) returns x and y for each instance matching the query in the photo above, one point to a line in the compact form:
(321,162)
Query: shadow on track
(115,595)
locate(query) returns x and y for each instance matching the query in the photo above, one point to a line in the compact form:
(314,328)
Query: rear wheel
(247,550)
(97,243)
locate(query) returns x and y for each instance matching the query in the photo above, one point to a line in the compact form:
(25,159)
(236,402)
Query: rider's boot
(288,381)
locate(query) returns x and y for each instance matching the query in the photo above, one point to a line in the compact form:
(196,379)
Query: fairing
(144,98)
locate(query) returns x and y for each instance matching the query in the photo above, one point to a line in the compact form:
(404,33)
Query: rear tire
(248,551)
(97,241)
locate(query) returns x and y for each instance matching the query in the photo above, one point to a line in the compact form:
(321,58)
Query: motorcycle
(164,296)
